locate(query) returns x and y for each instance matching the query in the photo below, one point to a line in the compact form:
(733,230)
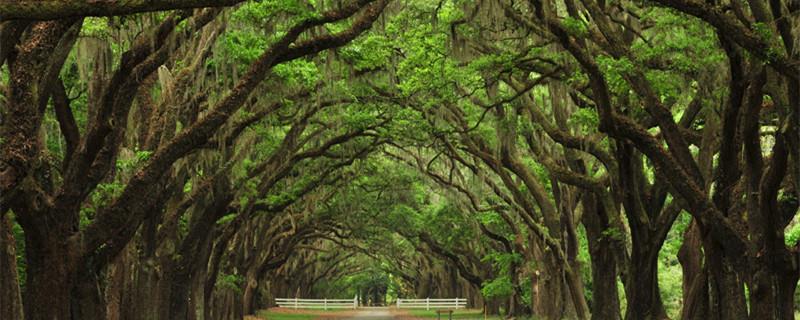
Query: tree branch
(58,9)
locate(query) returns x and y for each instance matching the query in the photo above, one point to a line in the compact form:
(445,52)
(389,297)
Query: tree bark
(551,296)
(726,288)
(605,297)
(695,276)
(51,269)
(644,298)
(10,298)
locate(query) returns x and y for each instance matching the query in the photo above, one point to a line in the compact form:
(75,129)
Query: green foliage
(101,196)
(359,116)
(575,26)
(540,172)
(498,288)
(613,233)
(669,269)
(231,282)
(686,45)
(370,52)
(373,277)
(106,192)
(129,164)
(492,62)
(259,13)
(670,282)
(489,218)
(584,118)
(502,261)
(96,27)
(226,218)
(298,72)
(615,71)
(243,47)
(792,235)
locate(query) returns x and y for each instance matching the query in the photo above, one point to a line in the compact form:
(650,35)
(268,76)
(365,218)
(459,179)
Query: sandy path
(372,314)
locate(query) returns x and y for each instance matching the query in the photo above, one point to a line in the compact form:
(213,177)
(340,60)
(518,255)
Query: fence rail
(428,303)
(325,304)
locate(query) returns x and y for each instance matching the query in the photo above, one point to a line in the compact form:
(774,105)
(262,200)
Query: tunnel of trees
(555,159)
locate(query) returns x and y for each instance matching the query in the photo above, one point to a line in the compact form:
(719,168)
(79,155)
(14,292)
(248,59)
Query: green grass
(457,314)
(272,315)
(304,314)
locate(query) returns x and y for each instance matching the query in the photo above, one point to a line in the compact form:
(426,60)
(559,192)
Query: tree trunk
(197,297)
(10,299)
(726,289)
(118,275)
(179,284)
(145,295)
(49,277)
(574,282)
(249,292)
(550,292)
(787,284)
(515,306)
(695,276)
(772,291)
(605,298)
(644,298)
(88,300)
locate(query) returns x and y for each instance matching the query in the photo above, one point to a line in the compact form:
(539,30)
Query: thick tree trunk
(772,291)
(249,292)
(515,305)
(787,284)
(50,258)
(573,279)
(88,299)
(145,298)
(551,296)
(116,291)
(10,299)
(179,283)
(644,298)
(214,266)
(228,305)
(695,276)
(197,296)
(50,274)
(605,298)
(726,288)
(424,287)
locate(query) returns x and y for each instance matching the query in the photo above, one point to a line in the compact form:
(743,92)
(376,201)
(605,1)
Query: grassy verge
(300,314)
(272,315)
(457,314)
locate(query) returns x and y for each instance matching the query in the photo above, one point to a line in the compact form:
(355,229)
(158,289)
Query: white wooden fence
(428,303)
(325,304)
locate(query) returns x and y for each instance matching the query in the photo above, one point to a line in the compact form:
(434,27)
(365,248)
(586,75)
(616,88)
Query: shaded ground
(364,314)
(301,314)
(457,314)
(373,314)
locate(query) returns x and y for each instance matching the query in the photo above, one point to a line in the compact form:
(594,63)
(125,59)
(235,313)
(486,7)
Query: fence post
(295,302)
(399,301)
(355,302)
(325,304)
(428,303)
